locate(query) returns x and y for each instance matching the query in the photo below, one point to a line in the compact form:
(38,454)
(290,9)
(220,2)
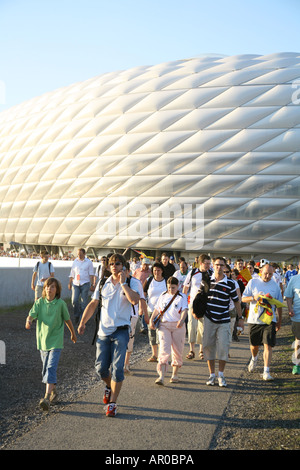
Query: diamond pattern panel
(196,154)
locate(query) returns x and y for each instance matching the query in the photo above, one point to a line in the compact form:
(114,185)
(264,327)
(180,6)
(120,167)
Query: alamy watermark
(170,222)
(296,93)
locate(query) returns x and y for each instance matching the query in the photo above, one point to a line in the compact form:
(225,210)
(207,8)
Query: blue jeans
(80,299)
(50,361)
(111,351)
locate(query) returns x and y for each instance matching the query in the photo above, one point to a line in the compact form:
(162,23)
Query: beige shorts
(216,340)
(38,292)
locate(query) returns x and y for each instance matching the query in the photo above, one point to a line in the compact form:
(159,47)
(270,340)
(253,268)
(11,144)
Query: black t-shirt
(169,270)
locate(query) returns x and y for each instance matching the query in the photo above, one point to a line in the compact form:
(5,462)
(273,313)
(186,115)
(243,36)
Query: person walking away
(262,333)
(113,334)
(51,313)
(41,272)
(171,329)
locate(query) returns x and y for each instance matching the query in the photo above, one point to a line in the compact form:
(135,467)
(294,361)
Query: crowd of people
(160,295)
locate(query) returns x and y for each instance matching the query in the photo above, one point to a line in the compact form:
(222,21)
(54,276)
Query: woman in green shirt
(51,313)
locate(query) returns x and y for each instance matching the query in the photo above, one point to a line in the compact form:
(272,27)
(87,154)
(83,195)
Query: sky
(48,44)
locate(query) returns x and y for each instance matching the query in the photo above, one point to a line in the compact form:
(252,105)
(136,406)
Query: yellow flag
(266,308)
(245,273)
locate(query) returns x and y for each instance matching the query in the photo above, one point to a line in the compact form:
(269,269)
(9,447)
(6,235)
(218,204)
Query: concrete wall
(15,285)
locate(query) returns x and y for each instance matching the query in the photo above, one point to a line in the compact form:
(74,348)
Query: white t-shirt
(135,310)
(277,278)
(231,303)
(154,290)
(116,309)
(193,283)
(181,278)
(258,286)
(175,310)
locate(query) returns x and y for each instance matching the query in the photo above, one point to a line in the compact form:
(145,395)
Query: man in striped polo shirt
(217,334)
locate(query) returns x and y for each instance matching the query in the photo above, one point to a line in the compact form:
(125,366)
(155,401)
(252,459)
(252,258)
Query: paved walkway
(181,416)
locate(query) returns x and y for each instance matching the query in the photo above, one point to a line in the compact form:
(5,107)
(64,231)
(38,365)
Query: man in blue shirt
(292,295)
(289,274)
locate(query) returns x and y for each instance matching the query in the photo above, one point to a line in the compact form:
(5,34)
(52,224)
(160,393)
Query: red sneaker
(111,409)
(106,396)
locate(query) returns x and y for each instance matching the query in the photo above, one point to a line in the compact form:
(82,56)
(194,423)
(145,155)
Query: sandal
(201,355)
(152,359)
(174,379)
(190,355)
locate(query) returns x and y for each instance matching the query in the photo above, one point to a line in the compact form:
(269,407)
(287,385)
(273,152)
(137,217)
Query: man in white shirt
(181,274)
(81,281)
(113,335)
(42,270)
(260,332)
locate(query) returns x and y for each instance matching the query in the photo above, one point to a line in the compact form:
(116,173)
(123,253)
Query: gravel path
(260,415)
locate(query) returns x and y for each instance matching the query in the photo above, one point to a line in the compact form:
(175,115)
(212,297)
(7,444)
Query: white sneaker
(211,380)
(267,376)
(252,365)
(222,381)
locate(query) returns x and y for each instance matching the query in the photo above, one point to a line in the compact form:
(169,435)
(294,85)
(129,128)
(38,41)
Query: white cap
(263,262)
(146,261)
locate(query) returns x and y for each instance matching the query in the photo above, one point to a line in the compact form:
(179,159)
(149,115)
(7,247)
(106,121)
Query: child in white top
(171,329)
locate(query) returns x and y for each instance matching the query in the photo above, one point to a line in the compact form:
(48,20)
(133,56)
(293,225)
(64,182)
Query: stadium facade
(194,155)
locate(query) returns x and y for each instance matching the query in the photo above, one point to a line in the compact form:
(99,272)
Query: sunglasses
(115,264)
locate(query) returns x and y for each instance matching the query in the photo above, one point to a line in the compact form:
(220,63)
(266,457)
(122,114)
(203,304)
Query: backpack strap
(128,282)
(159,316)
(98,313)
(49,265)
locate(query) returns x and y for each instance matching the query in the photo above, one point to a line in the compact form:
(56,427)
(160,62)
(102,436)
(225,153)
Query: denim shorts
(50,361)
(111,352)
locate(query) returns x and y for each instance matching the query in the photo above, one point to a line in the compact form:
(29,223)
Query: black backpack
(200,300)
